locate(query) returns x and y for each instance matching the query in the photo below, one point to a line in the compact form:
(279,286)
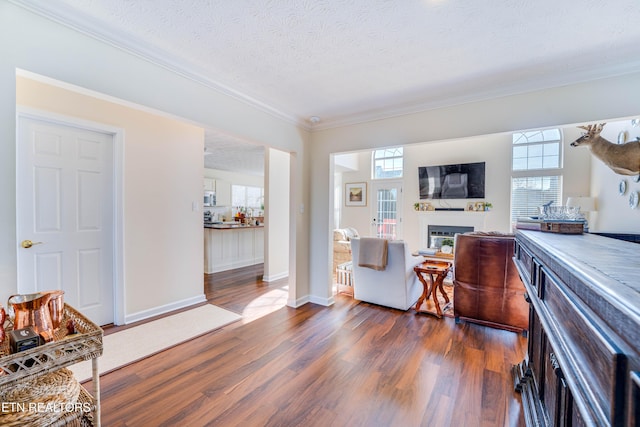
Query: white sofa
(397,286)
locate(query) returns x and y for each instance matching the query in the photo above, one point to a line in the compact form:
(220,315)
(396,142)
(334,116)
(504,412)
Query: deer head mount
(623,159)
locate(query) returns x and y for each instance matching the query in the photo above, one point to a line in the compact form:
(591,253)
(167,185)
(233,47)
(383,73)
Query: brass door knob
(28,243)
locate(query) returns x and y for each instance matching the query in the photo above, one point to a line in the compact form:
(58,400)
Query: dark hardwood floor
(351,364)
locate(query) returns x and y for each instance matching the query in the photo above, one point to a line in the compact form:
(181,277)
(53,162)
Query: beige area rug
(133,344)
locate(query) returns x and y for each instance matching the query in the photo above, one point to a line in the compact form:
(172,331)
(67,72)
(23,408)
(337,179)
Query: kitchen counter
(229,226)
(238,246)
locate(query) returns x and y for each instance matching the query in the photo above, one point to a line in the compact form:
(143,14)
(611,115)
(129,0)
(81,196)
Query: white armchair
(397,286)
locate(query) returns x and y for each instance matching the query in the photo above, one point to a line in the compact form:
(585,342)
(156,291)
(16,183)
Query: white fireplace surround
(451,218)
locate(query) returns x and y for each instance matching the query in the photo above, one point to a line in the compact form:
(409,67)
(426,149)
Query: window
(247,197)
(528,193)
(536,173)
(387,163)
(536,150)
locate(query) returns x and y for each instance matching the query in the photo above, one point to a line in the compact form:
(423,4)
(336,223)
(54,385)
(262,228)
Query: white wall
(277,215)
(567,105)
(159,223)
(358,217)
(33,43)
(495,151)
(577,166)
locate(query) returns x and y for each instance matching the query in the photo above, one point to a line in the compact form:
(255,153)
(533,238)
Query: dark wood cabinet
(634,412)
(584,330)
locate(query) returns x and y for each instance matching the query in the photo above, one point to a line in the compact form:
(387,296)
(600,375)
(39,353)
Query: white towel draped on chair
(373,253)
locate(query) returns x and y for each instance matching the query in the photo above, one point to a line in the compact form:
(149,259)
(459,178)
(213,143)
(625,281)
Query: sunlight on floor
(265,304)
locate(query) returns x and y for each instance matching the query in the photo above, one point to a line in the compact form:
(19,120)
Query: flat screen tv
(461,181)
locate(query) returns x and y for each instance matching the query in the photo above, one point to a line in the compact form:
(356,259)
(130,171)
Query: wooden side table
(437,271)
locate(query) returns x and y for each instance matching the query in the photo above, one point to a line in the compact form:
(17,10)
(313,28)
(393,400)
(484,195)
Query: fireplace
(461,222)
(437,233)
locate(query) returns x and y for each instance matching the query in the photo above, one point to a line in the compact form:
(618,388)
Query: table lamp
(586,205)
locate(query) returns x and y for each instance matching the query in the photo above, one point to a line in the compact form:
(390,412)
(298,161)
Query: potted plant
(447,246)
(487,206)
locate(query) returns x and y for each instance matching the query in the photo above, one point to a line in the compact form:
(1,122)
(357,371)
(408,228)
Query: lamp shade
(586,204)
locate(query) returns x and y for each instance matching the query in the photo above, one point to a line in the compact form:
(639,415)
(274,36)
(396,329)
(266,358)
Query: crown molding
(95,29)
(517,88)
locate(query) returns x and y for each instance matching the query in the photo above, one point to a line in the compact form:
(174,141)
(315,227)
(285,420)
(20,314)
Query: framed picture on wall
(355,194)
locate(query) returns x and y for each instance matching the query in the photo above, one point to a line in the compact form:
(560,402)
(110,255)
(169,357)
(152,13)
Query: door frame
(23,112)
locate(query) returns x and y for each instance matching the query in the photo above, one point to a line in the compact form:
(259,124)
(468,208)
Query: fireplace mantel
(453,218)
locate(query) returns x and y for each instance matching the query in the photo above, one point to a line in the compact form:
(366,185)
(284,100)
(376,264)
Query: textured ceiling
(346,61)
(227,153)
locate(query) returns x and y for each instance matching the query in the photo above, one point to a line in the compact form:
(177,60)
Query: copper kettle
(33,310)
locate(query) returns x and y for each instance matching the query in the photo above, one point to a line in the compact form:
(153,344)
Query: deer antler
(593,129)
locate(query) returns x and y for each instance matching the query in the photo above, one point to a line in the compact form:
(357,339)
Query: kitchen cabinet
(229,248)
(223,193)
(209,184)
(583,353)
(259,244)
(221,188)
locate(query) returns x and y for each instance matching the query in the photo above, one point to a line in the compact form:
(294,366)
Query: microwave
(209,198)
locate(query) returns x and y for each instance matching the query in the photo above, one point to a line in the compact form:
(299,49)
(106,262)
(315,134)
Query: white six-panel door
(65,207)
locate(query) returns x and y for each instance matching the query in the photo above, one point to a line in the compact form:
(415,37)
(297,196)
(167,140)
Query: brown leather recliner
(488,289)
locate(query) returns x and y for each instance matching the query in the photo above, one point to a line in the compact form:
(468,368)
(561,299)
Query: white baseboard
(322,301)
(274,277)
(231,266)
(156,311)
(298,302)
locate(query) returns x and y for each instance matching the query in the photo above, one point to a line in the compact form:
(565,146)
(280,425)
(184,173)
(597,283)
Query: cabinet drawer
(526,266)
(588,351)
(537,348)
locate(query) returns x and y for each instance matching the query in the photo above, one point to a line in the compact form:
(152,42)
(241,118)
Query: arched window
(387,163)
(540,149)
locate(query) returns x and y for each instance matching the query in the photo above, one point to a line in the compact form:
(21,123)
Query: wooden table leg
(96,389)
(434,296)
(442,291)
(425,291)
(440,285)
(431,289)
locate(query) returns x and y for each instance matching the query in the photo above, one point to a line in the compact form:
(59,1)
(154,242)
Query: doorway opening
(250,230)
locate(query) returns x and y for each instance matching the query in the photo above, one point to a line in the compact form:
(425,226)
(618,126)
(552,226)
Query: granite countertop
(229,225)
